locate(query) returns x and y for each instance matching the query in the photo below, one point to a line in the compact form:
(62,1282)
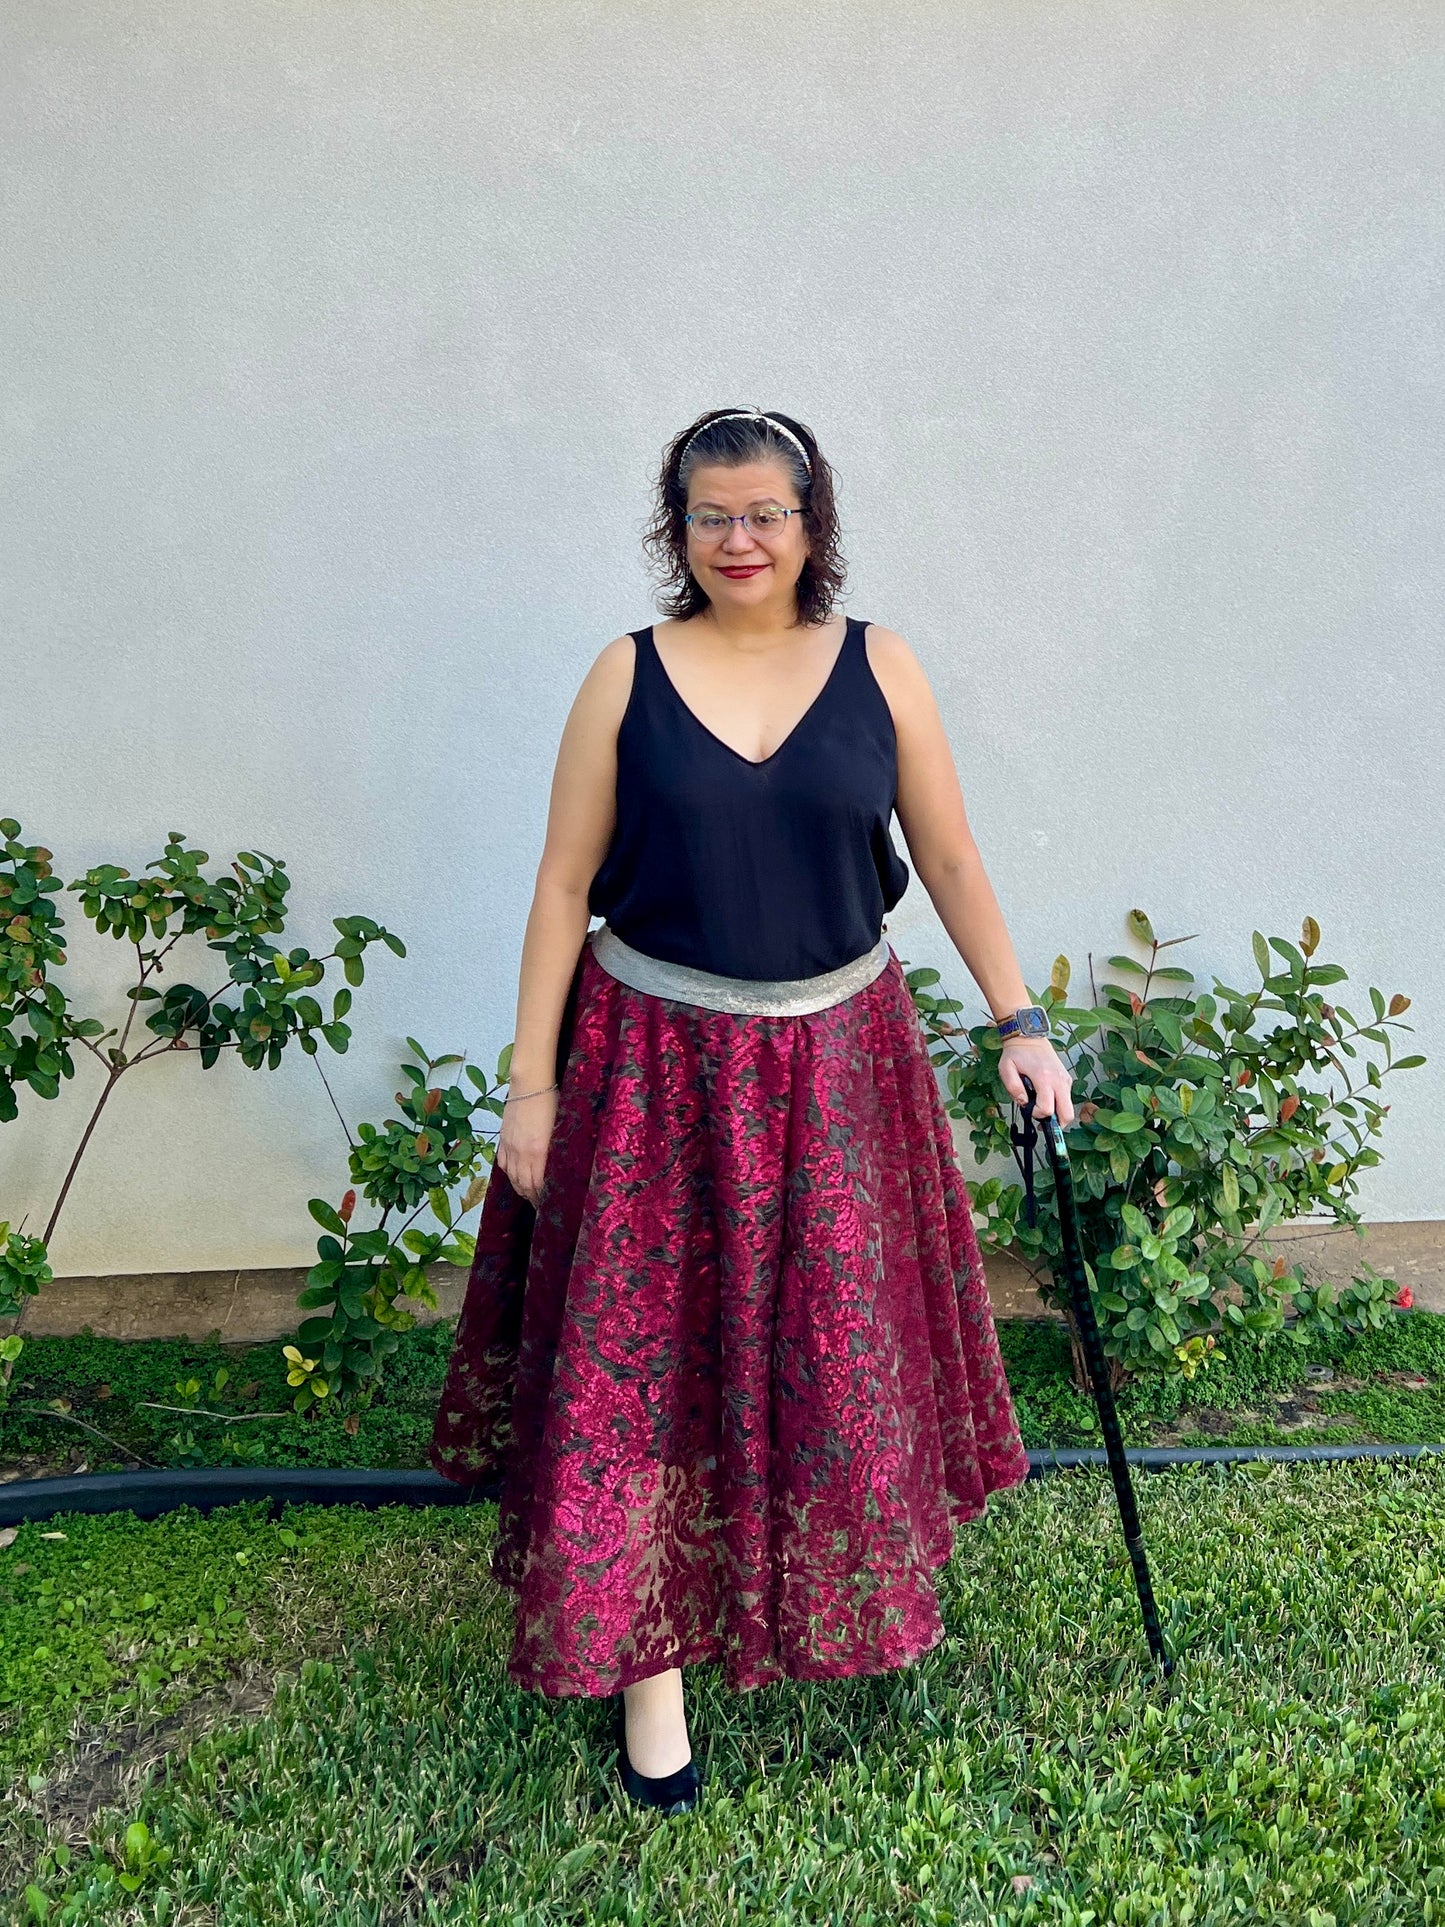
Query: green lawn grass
(108,1404)
(312,1722)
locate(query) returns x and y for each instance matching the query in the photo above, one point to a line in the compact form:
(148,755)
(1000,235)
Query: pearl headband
(750,414)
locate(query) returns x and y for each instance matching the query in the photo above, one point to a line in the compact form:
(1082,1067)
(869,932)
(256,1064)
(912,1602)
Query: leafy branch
(1194,1137)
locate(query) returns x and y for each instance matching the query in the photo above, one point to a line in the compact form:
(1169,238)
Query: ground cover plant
(228,1719)
(104,1405)
(176,1402)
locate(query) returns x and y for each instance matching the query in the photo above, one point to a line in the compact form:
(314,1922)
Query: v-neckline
(762,762)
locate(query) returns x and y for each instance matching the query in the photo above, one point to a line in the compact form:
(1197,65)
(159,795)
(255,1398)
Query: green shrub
(1195,1134)
(238,914)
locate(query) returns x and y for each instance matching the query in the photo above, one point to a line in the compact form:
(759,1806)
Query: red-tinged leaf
(348,1205)
(1288,1108)
(433,1098)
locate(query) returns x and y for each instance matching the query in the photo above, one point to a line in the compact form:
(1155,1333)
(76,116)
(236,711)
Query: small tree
(1194,1137)
(238,915)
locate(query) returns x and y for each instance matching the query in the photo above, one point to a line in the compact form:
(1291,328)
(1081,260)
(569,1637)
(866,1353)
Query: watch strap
(1030,1020)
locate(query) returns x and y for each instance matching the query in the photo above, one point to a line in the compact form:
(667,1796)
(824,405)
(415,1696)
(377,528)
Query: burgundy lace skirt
(737,1372)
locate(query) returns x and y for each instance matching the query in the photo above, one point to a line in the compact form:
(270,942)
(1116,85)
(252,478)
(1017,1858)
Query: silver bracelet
(521,1094)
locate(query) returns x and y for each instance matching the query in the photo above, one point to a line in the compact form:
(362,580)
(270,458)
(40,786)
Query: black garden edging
(148,1494)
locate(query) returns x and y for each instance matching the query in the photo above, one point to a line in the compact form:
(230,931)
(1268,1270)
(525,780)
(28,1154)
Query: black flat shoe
(672,1792)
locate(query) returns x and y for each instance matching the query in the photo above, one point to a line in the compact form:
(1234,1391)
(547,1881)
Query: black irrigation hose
(151,1493)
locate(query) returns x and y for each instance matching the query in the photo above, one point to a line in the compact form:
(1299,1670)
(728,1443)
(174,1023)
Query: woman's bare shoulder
(900,674)
(602,695)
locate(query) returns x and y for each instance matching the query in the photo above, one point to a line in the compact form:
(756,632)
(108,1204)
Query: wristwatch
(1031,1021)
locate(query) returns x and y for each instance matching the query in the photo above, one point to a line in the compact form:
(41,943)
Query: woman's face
(744,569)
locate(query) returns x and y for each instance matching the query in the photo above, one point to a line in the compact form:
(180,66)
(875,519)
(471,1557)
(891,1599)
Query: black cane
(1083,1304)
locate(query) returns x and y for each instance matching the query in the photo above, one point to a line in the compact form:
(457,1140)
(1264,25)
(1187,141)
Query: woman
(727,1337)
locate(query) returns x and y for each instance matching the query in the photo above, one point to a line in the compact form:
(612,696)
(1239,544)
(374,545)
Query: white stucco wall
(340,345)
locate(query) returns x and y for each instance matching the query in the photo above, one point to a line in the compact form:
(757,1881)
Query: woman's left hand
(1046,1071)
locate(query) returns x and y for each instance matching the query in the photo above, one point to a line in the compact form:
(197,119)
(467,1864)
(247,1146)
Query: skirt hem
(713,1651)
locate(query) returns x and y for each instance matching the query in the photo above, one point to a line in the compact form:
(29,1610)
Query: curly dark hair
(734,442)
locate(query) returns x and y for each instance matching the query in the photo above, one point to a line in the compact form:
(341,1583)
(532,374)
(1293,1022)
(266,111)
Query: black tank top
(783,868)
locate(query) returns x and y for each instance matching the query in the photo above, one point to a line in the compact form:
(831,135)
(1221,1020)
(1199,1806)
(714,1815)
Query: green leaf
(1261,953)
(393,943)
(327,1216)
(1140,926)
(1169,1028)
(354,969)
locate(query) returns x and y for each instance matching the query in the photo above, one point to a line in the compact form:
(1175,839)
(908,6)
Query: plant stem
(67,1418)
(334,1105)
(201,1411)
(114,1078)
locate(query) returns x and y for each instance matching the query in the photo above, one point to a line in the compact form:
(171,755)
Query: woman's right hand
(522,1142)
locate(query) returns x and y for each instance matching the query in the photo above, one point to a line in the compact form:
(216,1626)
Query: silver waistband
(744,996)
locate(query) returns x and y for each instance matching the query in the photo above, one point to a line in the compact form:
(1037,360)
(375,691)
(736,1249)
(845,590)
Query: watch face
(1034,1023)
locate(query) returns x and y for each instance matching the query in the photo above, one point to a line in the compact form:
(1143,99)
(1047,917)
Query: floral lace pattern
(738,1370)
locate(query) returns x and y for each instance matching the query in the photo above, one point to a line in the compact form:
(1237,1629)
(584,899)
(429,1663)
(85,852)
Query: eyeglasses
(768,518)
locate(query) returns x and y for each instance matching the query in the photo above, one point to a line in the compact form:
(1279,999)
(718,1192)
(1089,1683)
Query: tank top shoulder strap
(854,665)
(645,661)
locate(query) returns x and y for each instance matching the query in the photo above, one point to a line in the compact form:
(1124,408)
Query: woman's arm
(947,863)
(580,820)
